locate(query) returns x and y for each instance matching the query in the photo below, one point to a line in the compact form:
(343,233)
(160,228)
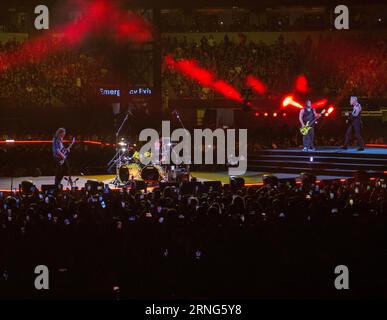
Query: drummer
(131,152)
(146,157)
(136,157)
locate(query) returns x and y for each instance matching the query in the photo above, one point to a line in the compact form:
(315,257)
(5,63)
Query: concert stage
(329,161)
(325,163)
(251,178)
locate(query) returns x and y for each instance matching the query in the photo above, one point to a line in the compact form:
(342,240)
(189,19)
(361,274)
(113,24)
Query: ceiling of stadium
(199,3)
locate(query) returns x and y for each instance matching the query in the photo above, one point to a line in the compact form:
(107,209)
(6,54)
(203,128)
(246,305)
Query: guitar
(306,128)
(349,118)
(66,152)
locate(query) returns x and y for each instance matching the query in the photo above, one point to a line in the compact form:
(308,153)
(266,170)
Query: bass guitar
(66,152)
(309,125)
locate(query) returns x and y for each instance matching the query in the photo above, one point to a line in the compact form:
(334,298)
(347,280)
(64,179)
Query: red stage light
(257,85)
(227,90)
(135,28)
(95,17)
(289,100)
(377,145)
(284,114)
(301,84)
(265,114)
(319,103)
(191,69)
(275,114)
(330,110)
(257,114)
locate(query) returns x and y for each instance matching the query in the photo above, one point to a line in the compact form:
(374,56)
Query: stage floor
(332,161)
(325,163)
(251,178)
(338,150)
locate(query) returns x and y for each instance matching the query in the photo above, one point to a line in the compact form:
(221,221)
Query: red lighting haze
(257,85)
(301,84)
(191,69)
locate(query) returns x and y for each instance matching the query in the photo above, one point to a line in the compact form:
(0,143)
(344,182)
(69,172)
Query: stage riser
(331,163)
(323,172)
(335,154)
(317,165)
(318,158)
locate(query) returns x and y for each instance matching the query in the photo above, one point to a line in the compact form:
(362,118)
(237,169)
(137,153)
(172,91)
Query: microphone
(176,113)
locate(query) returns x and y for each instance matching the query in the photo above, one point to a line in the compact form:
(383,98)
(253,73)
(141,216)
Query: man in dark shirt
(308,114)
(354,124)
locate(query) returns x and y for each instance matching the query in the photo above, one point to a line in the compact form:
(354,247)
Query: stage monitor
(93,186)
(163,185)
(49,188)
(237,182)
(270,180)
(288,181)
(189,187)
(208,186)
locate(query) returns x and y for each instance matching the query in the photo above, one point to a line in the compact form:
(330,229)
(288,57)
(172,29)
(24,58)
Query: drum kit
(129,165)
(129,162)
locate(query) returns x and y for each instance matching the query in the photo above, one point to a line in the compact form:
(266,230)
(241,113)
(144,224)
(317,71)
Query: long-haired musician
(60,154)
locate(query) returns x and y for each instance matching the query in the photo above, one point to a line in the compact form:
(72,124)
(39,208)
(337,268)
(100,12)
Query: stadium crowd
(192,240)
(274,241)
(68,77)
(245,20)
(331,64)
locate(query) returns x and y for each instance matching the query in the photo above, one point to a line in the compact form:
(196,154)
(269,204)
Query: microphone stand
(177,115)
(116,160)
(122,124)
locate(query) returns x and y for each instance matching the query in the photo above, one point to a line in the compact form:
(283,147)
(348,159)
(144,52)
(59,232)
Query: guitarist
(308,114)
(60,154)
(354,123)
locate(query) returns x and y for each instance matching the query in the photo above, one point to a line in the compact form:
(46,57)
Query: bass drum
(127,171)
(152,173)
